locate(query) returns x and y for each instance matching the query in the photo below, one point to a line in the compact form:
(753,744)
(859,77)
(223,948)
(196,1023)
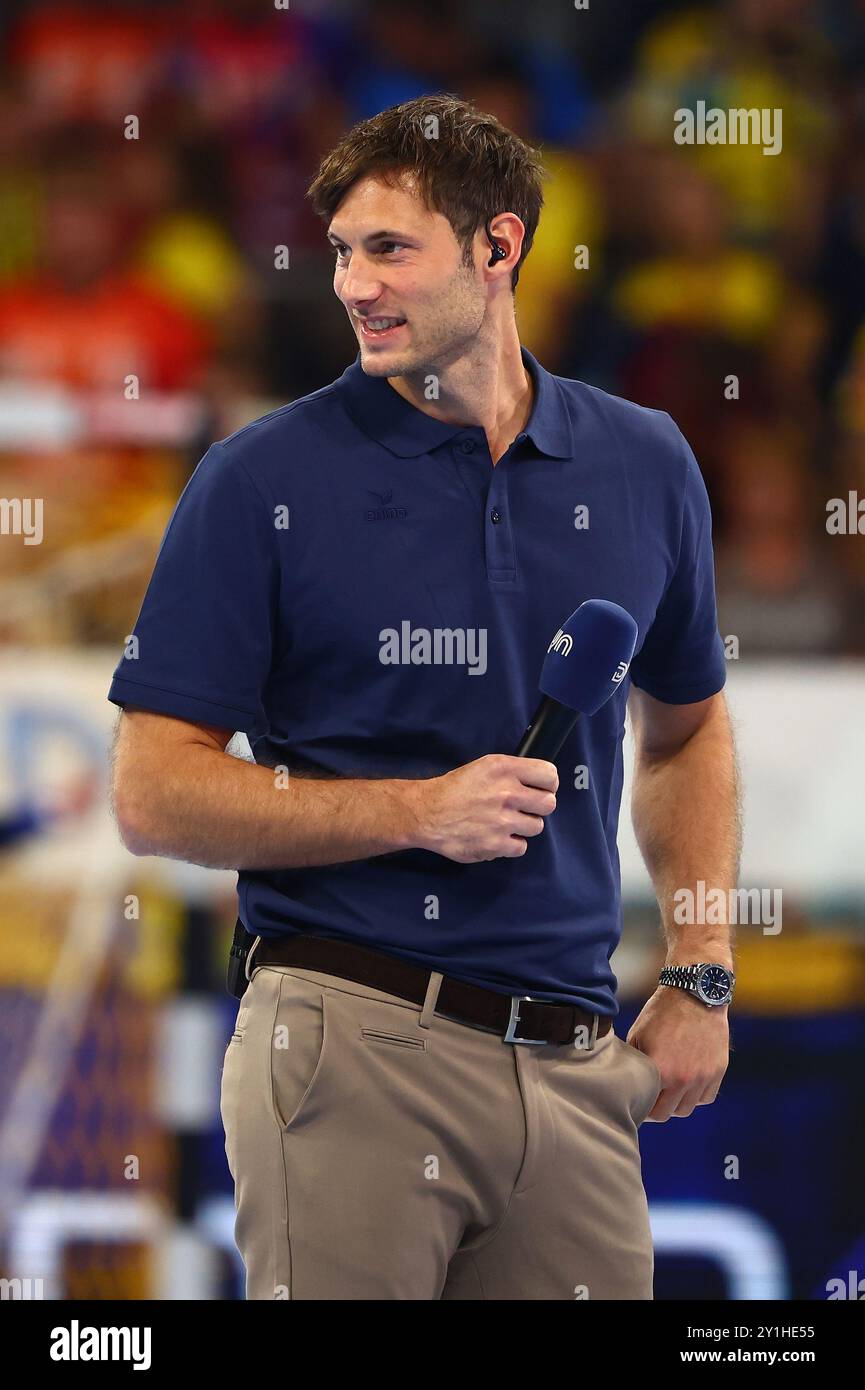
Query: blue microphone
(586,661)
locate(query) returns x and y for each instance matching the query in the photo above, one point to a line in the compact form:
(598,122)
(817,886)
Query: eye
(385,248)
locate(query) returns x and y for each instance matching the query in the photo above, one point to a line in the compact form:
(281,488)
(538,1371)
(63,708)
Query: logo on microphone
(562,642)
(620,672)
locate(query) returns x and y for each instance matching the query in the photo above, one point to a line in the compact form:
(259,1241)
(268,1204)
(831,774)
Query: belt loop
(430,999)
(250,953)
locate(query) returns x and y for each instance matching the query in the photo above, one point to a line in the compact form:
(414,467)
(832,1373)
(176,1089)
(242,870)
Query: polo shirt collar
(383,414)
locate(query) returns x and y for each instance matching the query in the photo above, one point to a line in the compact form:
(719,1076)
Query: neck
(488,386)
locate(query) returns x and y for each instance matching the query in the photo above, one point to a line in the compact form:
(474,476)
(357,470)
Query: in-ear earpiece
(499,252)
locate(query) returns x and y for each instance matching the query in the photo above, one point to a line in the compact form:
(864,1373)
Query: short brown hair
(470,170)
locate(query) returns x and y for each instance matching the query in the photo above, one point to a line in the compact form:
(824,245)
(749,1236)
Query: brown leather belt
(516,1018)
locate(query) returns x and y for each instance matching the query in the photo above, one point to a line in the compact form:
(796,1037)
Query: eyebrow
(374,236)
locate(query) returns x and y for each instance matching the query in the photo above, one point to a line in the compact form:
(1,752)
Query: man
(424,1096)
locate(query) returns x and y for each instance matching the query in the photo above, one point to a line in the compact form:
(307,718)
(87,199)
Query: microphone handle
(548,730)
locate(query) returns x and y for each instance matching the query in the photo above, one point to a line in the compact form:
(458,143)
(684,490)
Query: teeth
(378,324)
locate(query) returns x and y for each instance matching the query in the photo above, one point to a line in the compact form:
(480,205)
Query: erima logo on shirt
(620,672)
(385,512)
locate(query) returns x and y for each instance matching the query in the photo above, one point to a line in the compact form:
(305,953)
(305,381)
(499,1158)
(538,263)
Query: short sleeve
(204,638)
(682,658)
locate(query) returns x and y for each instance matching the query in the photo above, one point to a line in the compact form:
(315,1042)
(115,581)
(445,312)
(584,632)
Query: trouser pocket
(300,1046)
(382,1035)
(647,1072)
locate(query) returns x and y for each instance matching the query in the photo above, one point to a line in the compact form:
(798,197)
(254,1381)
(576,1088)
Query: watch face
(713,985)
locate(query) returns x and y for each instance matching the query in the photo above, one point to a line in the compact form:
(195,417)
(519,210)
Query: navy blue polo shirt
(356,587)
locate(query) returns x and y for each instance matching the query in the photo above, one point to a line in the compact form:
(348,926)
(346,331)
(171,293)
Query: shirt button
(495,515)
(467,446)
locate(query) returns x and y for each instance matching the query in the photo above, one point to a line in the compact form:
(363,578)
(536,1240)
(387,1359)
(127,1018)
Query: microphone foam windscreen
(589,656)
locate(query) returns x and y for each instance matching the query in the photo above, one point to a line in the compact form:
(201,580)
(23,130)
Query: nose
(359,286)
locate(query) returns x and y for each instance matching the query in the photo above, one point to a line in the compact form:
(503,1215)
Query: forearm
(685,811)
(219,811)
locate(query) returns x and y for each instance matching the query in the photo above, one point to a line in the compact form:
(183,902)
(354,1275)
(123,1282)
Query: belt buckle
(510,1035)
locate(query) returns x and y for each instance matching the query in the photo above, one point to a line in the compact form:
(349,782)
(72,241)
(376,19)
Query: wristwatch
(712,984)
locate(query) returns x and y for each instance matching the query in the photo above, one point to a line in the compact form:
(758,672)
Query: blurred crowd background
(156,256)
(705,262)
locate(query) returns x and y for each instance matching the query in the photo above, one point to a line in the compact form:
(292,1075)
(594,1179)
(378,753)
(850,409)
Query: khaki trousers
(381,1151)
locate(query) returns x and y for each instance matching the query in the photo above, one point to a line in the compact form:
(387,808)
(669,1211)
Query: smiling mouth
(375,329)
